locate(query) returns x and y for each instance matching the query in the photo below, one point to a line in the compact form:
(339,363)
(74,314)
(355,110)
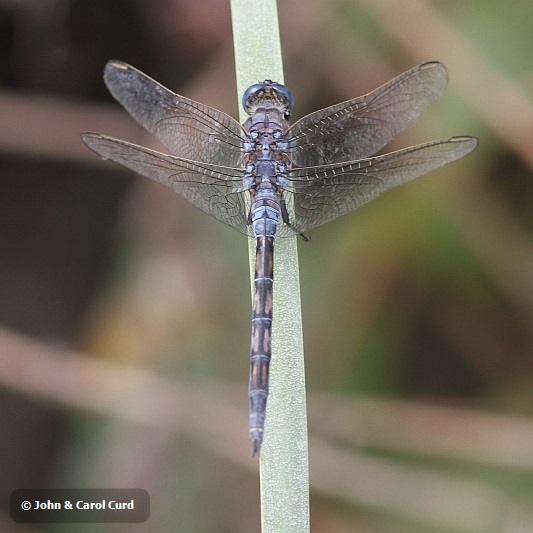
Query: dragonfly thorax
(266,120)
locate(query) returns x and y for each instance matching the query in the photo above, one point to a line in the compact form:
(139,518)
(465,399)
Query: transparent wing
(215,189)
(189,130)
(323,193)
(360,127)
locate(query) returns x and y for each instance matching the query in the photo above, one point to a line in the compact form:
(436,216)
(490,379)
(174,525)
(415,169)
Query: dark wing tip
(92,141)
(116,64)
(436,66)
(88,136)
(432,64)
(468,144)
(118,76)
(439,71)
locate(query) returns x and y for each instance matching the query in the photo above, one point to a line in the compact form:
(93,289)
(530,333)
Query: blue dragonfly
(267,178)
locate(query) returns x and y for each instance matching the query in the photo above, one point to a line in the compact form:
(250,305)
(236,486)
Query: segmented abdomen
(260,349)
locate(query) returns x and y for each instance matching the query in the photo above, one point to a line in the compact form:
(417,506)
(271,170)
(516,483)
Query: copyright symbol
(25,505)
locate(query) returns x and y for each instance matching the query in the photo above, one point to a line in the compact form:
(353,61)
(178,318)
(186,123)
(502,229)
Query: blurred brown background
(125,312)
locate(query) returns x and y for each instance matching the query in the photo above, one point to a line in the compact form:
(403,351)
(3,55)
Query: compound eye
(284,91)
(250,94)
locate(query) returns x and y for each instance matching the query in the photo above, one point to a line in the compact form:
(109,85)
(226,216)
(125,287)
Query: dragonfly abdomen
(260,349)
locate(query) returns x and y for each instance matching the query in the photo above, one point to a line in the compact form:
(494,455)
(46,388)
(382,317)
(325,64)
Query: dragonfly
(267,178)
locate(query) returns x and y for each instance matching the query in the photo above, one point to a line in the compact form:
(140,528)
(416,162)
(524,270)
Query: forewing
(324,193)
(214,189)
(360,127)
(189,130)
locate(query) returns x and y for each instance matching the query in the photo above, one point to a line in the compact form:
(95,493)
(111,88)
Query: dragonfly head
(268,94)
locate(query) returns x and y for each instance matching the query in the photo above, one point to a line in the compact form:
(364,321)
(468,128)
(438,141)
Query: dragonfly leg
(285,212)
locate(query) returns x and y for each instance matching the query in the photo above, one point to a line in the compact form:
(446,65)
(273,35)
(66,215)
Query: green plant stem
(283,459)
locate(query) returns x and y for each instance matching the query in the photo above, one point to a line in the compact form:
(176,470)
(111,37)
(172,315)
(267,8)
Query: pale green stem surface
(283,458)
